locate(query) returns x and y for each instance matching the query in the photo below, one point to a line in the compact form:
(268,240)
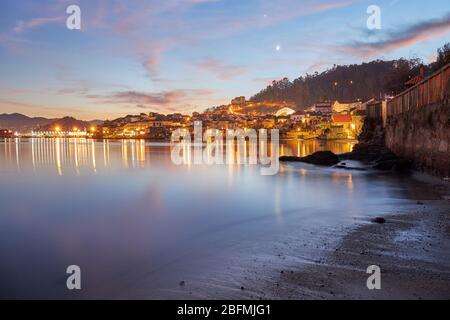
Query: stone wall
(423,136)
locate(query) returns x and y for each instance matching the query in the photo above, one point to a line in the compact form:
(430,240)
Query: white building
(284,112)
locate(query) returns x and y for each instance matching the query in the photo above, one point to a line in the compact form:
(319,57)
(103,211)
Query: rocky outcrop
(322,158)
(372,149)
(371,146)
(398,164)
(368,153)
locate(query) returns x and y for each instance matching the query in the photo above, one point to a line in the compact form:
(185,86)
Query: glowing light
(278,47)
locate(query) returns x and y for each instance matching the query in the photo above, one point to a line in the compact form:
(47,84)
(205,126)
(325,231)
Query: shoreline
(412,249)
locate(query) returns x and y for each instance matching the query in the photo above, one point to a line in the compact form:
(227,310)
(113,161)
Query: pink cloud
(22,26)
(164,100)
(416,33)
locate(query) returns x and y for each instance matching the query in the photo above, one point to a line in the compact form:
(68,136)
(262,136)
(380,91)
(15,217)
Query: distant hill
(20,122)
(68,124)
(96,122)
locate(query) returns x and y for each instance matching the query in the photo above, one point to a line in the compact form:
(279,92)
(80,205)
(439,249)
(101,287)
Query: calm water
(137,224)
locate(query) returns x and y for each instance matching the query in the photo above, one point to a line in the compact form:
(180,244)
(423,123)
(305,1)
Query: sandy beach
(412,249)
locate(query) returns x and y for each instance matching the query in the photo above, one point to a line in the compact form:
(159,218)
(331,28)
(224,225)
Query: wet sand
(412,249)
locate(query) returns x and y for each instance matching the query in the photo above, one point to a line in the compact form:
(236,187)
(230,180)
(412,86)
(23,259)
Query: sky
(169,56)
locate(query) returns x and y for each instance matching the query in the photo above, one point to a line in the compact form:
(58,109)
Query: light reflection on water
(71,154)
(137,224)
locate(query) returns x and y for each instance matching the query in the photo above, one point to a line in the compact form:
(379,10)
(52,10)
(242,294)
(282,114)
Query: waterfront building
(6,133)
(298,116)
(323,107)
(340,107)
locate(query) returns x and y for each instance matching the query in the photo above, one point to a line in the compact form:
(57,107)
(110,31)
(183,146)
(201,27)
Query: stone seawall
(423,136)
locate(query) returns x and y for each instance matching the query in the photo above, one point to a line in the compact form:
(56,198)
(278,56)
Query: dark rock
(182,283)
(384,165)
(398,164)
(368,151)
(242,288)
(386,156)
(290,159)
(402,165)
(323,158)
(379,220)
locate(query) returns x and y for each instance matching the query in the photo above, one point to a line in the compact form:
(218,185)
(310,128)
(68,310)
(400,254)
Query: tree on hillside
(402,71)
(343,83)
(443,57)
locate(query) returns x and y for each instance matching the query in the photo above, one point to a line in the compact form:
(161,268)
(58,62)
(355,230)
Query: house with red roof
(341,118)
(345,126)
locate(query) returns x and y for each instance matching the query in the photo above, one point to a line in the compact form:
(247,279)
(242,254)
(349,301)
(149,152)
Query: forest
(364,81)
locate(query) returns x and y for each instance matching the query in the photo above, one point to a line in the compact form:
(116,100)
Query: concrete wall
(422,135)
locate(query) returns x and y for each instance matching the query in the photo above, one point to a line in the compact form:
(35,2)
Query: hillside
(343,83)
(350,82)
(20,122)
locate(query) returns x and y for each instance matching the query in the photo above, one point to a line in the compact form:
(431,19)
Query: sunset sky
(187,55)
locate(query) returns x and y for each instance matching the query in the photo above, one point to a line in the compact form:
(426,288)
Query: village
(325,120)
(328,120)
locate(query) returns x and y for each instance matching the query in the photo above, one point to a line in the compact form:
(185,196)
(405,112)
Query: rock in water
(290,159)
(379,220)
(322,158)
